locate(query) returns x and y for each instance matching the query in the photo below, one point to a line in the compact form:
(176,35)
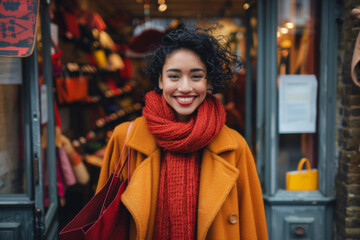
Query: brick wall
(347,211)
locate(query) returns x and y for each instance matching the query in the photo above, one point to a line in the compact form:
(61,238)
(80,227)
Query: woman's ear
(160,82)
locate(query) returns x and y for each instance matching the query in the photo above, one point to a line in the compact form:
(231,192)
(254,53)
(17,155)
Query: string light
(162,7)
(289,25)
(284,30)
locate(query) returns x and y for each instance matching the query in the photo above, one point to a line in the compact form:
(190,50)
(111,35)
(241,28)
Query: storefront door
(296,103)
(28,192)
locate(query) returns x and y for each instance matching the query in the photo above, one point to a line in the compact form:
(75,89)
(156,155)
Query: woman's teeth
(185,99)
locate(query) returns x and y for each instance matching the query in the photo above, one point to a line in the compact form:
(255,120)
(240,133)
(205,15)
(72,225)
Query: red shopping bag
(104,217)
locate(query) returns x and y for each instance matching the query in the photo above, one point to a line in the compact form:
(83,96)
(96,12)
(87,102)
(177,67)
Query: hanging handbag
(105,216)
(302,180)
(71,88)
(66,169)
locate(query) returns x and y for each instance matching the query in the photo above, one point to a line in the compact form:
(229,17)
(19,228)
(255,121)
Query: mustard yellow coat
(230,204)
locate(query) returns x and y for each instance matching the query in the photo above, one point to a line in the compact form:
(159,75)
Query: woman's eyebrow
(191,70)
(173,70)
(197,69)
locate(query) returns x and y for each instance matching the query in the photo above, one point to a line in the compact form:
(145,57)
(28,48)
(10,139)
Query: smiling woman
(192,176)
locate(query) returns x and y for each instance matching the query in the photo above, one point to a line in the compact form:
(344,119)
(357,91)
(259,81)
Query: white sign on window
(297,103)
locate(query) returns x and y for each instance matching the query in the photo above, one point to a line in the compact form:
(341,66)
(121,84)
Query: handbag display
(71,89)
(302,180)
(104,217)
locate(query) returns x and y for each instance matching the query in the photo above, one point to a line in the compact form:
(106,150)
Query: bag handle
(65,71)
(301,164)
(117,167)
(122,152)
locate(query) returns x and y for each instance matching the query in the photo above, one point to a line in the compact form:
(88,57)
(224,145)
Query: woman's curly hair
(217,58)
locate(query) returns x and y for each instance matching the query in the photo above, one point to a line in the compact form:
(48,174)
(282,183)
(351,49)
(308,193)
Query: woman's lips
(185,100)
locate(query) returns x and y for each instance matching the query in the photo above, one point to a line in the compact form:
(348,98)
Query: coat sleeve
(251,204)
(112,154)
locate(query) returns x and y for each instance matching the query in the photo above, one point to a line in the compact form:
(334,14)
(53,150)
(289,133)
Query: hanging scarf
(180,164)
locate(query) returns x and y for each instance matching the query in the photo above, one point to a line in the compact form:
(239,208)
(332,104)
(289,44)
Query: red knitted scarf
(180,164)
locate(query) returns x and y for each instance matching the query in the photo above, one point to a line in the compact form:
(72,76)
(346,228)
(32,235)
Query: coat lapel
(141,195)
(140,139)
(217,178)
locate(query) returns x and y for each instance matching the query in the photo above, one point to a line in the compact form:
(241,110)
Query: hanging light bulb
(284,30)
(289,25)
(162,7)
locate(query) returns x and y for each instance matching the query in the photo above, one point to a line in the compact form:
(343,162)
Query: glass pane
(298,54)
(12,162)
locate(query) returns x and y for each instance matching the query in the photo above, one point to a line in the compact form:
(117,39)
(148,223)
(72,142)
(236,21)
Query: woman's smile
(185,100)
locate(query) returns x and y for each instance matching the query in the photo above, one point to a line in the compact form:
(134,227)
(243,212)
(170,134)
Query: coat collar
(223,142)
(143,141)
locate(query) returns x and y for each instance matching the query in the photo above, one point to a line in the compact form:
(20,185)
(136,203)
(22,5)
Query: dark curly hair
(217,58)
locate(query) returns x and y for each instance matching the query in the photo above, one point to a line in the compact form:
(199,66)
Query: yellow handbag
(302,180)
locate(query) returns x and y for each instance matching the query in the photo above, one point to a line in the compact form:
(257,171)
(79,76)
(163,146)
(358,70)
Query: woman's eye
(197,77)
(173,76)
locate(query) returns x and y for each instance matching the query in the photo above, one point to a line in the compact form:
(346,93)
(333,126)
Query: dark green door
(28,194)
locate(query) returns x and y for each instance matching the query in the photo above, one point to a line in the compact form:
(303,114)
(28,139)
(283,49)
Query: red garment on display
(72,24)
(57,115)
(127,71)
(94,20)
(180,166)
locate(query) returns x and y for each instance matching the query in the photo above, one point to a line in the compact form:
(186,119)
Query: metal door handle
(299,231)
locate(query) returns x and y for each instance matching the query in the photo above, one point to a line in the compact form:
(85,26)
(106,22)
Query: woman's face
(183,81)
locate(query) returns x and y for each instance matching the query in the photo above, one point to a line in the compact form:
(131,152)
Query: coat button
(233,219)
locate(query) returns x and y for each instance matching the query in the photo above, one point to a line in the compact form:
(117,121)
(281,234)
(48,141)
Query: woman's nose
(185,85)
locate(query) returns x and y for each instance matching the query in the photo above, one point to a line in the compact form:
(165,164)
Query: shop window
(298,59)
(12,161)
